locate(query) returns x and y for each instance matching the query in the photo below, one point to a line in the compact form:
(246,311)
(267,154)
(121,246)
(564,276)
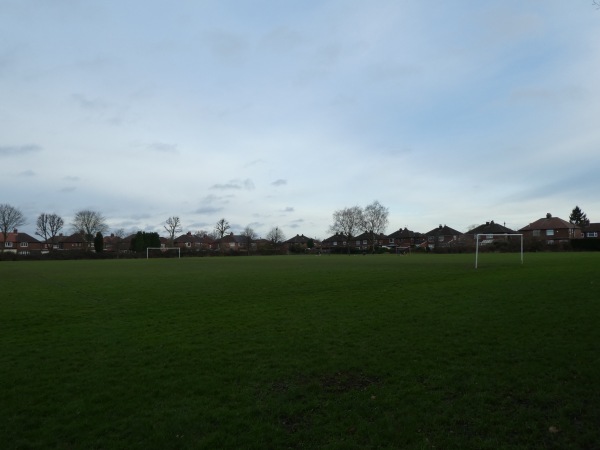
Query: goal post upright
(494,234)
(163,249)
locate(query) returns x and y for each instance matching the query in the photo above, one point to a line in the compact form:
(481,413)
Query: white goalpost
(163,250)
(490,236)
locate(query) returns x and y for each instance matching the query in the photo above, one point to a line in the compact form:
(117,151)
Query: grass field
(302,352)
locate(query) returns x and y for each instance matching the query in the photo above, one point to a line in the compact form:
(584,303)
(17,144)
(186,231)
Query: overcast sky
(277,113)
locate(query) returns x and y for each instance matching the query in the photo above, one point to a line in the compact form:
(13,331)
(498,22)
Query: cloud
(68,189)
(288,209)
(216,198)
(163,147)
(208,210)
(89,104)
(17,150)
(71,178)
(253,163)
(225,46)
(27,173)
(279,182)
(246,184)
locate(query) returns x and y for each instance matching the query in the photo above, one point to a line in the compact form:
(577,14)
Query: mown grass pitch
(309,352)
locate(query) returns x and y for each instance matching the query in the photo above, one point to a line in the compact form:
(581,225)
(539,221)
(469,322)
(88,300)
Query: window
(431,238)
(592,234)
(441,238)
(549,232)
(334,243)
(8,244)
(188,244)
(365,242)
(391,240)
(24,244)
(536,233)
(357,242)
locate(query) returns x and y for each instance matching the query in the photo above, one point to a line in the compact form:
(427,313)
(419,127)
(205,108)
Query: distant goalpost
(492,235)
(163,250)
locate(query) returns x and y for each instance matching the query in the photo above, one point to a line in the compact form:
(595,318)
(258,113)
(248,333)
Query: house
(443,236)
(335,243)
(234,243)
(490,228)
(76,241)
(20,243)
(191,242)
(299,242)
(591,231)
(552,230)
(406,238)
(490,231)
(114,243)
(363,243)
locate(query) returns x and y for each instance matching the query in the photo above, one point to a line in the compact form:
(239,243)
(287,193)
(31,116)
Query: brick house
(489,229)
(114,243)
(233,243)
(406,238)
(193,242)
(75,241)
(552,230)
(591,231)
(299,242)
(334,243)
(443,236)
(20,243)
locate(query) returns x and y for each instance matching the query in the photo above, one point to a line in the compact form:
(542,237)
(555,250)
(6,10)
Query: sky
(273,113)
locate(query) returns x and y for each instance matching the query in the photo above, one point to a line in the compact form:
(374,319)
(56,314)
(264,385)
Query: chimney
(15,231)
(548,216)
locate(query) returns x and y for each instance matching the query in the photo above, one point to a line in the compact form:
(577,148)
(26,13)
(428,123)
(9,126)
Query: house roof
(336,237)
(187,237)
(405,233)
(298,239)
(229,238)
(16,236)
(443,231)
(550,223)
(591,227)
(73,238)
(491,228)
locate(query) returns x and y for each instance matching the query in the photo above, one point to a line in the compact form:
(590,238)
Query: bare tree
(88,223)
(221,228)
(10,218)
(249,236)
(48,226)
(347,222)
(173,226)
(374,221)
(276,236)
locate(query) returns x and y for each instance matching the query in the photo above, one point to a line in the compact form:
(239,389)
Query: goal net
(486,239)
(163,252)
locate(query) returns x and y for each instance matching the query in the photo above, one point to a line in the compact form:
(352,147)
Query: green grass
(302,352)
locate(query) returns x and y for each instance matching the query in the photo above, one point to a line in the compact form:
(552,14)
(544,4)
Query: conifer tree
(578,217)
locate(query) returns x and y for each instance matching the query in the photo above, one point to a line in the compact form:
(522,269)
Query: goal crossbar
(163,249)
(492,235)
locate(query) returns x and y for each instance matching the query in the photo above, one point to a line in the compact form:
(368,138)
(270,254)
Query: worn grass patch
(302,352)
